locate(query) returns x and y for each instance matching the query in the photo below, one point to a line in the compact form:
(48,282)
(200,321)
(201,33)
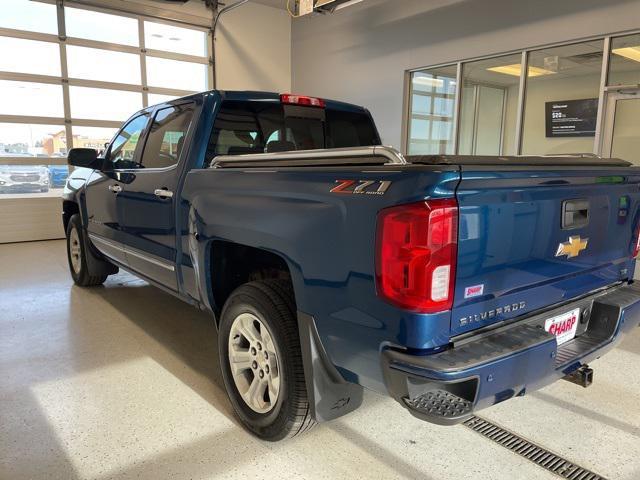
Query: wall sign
(571,118)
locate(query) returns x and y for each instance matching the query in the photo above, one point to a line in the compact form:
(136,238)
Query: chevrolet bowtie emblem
(573,247)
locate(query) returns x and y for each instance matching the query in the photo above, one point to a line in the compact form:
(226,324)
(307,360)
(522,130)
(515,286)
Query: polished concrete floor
(122,381)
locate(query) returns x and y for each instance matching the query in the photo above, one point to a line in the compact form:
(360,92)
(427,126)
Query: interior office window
(169,38)
(29,98)
(561,104)
(166,136)
(18,55)
(103,104)
(28,15)
(104,65)
(489,106)
(100,26)
(624,62)
(123,148)
(432,110)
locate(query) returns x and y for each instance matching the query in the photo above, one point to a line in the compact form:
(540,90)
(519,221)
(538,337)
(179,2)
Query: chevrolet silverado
(330,263)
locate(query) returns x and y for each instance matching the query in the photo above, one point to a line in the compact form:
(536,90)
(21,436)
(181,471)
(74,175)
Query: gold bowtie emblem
(573,247)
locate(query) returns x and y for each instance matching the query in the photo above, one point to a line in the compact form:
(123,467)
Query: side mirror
(85,158)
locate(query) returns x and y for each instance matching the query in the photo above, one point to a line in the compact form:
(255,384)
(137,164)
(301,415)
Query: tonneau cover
(555,161)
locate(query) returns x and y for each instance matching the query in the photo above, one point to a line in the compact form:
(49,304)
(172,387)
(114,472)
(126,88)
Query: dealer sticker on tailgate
(563,326)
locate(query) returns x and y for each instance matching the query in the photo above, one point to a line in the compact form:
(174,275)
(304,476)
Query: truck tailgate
(531,237)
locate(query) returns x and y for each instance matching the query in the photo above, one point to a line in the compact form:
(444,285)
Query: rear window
(253,127)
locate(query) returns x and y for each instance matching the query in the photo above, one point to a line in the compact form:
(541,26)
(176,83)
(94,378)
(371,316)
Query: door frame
(611,103)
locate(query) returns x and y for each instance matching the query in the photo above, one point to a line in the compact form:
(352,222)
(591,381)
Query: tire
(77,255)
(269,307)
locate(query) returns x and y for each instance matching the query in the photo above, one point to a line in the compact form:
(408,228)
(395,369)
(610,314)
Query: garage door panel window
(20,180)
(104,27)
(169,38)
(18,54)
(32,140)
(33,99)
(92,137)
(103,65)
(166,136)
(30,16)
(162,72)
(103,104)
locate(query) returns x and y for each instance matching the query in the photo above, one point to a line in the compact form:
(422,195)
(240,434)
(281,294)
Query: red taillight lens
(417,247)
(291,99)
(636,243)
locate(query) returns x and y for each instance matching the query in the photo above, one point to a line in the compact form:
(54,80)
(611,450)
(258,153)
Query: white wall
(359,54)
(253,47)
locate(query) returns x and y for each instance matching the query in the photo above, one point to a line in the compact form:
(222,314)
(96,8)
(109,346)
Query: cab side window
(123,147)
(166,136)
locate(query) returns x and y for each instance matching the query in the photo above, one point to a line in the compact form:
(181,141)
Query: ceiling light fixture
(632,53)
(516,68)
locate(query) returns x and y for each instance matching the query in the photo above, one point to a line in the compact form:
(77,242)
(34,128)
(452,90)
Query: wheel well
(69,208)
(233,265)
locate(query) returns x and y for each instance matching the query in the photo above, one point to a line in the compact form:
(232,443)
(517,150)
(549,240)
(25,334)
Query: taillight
(302,100)
(636,243)
(416,254)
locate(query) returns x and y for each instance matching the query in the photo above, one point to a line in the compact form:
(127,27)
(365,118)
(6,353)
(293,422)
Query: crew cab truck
(330,263)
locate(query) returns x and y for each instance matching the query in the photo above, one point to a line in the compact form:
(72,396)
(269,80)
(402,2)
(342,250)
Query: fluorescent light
(632,53)
(429,82)
(516,68)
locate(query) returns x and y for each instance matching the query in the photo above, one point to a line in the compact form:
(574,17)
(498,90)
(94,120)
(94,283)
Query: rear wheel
(261,360)
(77,255)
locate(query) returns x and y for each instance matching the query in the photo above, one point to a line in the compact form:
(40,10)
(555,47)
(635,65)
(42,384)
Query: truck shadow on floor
(181,331)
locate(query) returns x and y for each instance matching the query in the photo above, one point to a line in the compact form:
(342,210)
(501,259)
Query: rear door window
(244,127)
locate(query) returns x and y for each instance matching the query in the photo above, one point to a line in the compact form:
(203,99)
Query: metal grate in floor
(523,447)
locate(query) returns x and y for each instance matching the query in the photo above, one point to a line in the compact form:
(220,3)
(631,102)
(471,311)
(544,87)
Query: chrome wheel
(254,363)
(74,250)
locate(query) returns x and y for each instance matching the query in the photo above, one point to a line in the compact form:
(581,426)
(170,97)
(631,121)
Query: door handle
(115,188)
(163,193)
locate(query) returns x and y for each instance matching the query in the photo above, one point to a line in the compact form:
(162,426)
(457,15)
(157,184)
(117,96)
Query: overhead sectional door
(70,78)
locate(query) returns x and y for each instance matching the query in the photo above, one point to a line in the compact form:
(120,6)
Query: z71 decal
(361,187)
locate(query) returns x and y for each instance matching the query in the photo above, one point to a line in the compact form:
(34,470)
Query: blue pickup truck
(330,263)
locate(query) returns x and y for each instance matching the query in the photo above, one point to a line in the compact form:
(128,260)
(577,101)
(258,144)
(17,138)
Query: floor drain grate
(538,455)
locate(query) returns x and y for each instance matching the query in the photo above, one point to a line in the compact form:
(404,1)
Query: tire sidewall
(74,223)
(266,425)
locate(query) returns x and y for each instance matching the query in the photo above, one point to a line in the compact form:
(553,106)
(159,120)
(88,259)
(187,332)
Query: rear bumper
(490,367)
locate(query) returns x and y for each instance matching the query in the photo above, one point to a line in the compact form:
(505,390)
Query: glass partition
(561,101)
(624,62)
(489,106)
(432,111)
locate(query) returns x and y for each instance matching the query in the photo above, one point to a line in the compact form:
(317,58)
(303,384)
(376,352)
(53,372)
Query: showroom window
(71,75)
(574,98)
(432,111)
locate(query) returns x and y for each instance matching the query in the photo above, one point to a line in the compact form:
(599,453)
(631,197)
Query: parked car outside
(24,178)
(58,175)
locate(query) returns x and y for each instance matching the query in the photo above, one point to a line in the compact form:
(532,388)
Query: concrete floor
(123,382)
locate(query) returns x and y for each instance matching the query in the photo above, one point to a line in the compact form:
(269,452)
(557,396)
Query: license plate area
(563,326)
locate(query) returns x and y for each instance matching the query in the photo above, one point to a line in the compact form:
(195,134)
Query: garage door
(69,76)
